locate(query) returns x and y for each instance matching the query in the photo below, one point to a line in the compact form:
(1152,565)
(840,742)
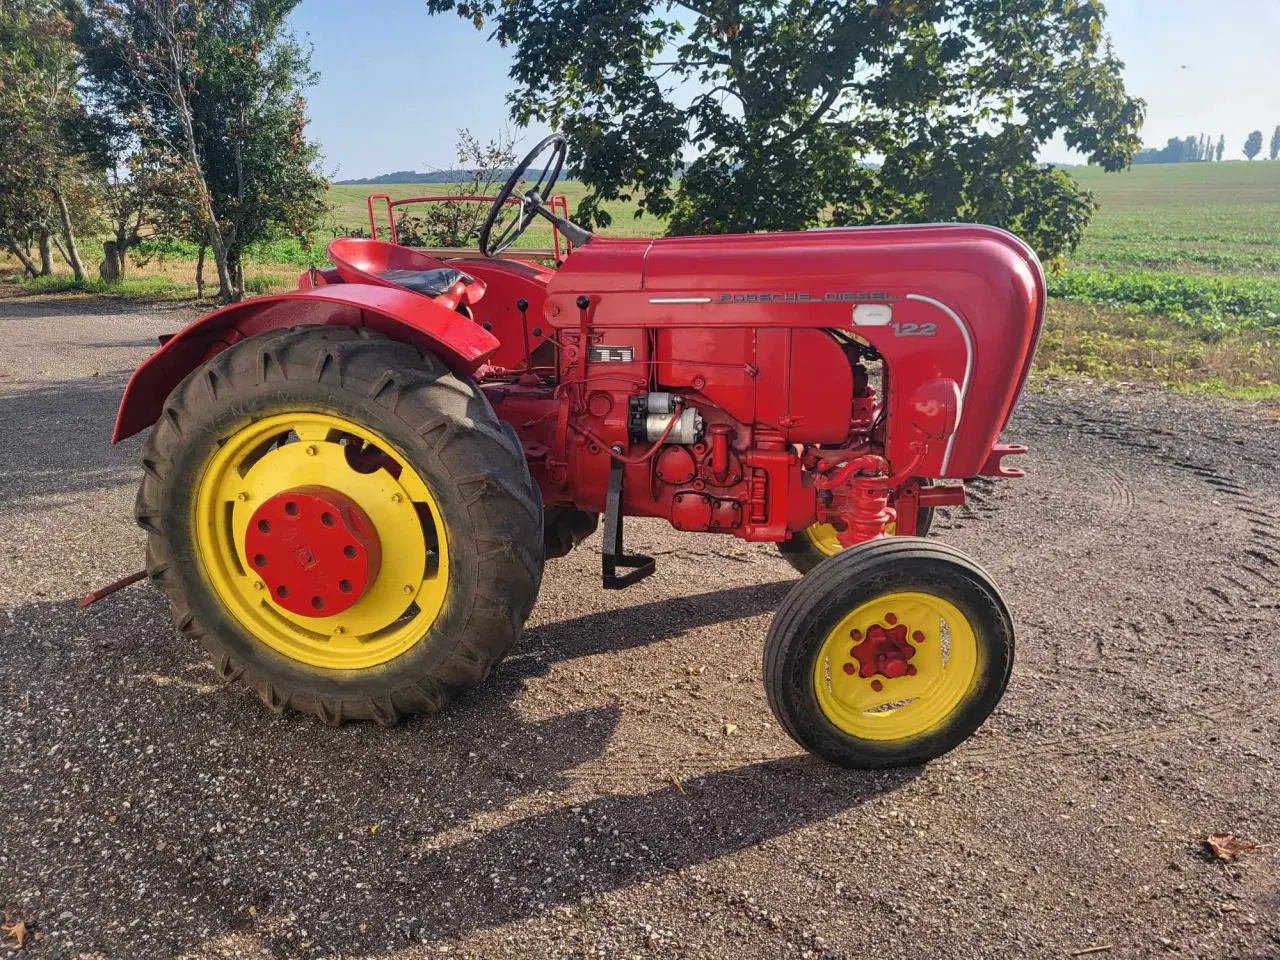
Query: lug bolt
(242,496)
(311,451)
(408,588)
(396,498)
(339,631)
(259,585)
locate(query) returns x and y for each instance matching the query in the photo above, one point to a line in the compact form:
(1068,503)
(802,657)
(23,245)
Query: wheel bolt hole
(282,592)
(291,508)
(327,519)
(344,586)
(259,560)
(349,552)
(264,527)
(317,603)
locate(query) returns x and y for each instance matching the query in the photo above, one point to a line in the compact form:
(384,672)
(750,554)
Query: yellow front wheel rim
(896,667)
(293,450)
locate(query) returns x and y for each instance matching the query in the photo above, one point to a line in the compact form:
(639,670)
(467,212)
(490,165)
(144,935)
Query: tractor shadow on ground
(450,851)
(611,631)
(558,858)
(55,439)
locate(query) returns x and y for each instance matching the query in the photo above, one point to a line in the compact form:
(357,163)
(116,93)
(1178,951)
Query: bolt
(311,450)
(242,496)
(259,585)
(396,498)
(408,588)
(339,630)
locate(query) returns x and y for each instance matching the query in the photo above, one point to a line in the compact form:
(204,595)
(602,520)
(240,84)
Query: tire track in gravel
(1248,582)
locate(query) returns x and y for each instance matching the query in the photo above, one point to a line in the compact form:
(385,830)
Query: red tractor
(349,491)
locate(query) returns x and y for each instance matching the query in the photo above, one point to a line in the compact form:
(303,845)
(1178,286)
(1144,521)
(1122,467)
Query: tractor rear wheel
(888,654)
(566,527)
(809,547)
(344,524)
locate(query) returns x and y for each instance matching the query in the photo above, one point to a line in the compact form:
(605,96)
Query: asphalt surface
(587,802)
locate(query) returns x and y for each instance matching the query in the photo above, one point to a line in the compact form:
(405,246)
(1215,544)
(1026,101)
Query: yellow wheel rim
(279,453)
(916,632)
(826,541)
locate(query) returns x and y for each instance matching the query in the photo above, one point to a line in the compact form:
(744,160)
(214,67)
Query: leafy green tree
(1221,148)
(213,91)
(1253,146)
(786,114)
(1275,144)
(44,173)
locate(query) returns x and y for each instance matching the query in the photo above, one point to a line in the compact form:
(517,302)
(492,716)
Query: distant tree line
(135,118)
(1203,149)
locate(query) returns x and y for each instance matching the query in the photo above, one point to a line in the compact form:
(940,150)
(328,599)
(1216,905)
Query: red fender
(461,343)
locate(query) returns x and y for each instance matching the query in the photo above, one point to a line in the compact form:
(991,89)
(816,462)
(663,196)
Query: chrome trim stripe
(968,368)
(679,299)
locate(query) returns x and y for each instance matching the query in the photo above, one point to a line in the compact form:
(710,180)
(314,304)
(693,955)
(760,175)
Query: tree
(1275,144)
(785,115)
(457,223)
(213,91)
(1221,148)
(1253,146)
(45,184)
(1176,150)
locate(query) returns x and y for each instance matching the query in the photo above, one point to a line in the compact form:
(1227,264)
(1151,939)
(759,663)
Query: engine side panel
(957,303)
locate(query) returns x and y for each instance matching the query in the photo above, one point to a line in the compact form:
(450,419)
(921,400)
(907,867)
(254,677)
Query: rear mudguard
(459,342)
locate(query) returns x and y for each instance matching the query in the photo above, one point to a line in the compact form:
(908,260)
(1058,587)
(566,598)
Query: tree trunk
(46,255)
(122,244)
(237,279)
(71,252)
(17,251)
(225,292)
(200,273)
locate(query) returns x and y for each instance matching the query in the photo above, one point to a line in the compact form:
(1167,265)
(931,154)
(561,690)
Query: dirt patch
(587,801)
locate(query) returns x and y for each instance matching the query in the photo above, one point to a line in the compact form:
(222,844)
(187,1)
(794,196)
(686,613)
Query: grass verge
(170,281)
(1108,344)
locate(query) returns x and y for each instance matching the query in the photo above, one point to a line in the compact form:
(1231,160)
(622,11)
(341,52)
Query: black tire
(566,527)
(803,555)
(817,604)
(442,425)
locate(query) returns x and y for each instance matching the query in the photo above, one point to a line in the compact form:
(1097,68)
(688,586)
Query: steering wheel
(530,203)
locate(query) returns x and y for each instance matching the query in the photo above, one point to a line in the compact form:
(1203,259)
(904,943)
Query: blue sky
(396,84)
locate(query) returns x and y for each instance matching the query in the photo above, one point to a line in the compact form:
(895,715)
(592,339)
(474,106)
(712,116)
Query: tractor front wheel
(344,524)
(888,654)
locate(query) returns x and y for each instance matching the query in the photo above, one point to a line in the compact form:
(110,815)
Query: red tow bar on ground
(111,588)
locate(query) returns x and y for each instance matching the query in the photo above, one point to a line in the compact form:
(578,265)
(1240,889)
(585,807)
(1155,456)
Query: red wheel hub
(314,549)
(884,650)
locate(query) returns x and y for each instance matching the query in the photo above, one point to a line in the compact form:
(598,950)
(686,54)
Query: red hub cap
(884,651)
(314,549)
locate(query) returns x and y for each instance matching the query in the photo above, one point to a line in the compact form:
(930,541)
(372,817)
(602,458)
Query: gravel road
(586,802)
